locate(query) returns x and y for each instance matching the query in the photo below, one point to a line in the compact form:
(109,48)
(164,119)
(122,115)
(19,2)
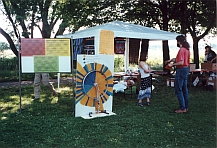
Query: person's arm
(176,64)
(213,59)
(147,70)
(212,56)
(171,60)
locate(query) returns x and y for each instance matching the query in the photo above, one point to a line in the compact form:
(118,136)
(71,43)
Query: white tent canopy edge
(124,30)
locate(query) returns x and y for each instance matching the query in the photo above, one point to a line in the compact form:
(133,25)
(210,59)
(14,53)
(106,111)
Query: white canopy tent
(122,30)
(125,30)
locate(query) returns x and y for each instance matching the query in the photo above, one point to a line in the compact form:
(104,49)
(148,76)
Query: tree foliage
(196,17)
(199,20)
(44,15)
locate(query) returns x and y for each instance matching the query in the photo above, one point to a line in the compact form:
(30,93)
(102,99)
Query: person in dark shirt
(210,55)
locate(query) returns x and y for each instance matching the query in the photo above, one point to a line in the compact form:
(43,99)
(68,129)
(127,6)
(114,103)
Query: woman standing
(145,86)
(181,62)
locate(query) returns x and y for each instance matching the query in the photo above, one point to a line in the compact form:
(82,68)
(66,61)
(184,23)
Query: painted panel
(45,55)
(106,44)
(94,80)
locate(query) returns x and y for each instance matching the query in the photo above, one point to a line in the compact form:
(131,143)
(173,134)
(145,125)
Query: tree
(201,20)
(197,17)
(27,15)
(44,15)
(152,13)
(10,41)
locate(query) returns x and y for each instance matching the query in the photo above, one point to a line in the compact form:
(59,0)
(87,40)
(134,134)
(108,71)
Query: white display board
(94,80)
(45,55)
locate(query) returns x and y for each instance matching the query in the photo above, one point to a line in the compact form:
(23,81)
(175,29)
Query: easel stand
(98,112)
(19,59)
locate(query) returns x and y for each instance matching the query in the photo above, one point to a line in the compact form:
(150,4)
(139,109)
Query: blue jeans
(181,87)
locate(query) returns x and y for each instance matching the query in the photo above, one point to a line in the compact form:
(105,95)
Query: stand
(19,57)
(98,112)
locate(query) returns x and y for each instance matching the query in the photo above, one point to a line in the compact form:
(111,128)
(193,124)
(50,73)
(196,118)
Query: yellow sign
(106,44)
(57,47)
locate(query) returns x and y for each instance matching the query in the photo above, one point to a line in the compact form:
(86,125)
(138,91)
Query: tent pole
(96,43)
(73,71)
(126,57)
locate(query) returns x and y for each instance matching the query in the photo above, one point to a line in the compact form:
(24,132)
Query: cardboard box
(214,66)
(192,67)
(209,66)
(211,81)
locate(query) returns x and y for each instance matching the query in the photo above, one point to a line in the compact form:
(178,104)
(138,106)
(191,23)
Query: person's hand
(167,61)
(170,65)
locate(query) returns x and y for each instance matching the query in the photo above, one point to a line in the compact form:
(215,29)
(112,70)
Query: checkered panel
(30,47)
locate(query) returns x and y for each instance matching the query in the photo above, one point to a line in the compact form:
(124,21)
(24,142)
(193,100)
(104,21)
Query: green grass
(50,122)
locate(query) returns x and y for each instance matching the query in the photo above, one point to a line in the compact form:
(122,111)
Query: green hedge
(9,63)
(10,70)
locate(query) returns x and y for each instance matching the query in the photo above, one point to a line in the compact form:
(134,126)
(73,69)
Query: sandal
(180,111)
(148,103)
(140,104)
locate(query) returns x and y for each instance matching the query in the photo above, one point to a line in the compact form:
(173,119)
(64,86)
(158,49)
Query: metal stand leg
(20,75)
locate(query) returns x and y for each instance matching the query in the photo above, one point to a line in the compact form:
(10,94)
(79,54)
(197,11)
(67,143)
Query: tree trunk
(195,51)
(166,55)
(61,28)
(10,41)
(46,32)
(184,18)
(165,46)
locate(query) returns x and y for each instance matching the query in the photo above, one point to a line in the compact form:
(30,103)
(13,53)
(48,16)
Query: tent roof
(125,30)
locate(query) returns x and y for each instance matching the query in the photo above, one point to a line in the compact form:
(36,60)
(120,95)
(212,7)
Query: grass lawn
(50,122)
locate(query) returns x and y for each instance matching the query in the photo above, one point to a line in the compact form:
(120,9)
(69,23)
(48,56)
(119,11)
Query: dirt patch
(29,83)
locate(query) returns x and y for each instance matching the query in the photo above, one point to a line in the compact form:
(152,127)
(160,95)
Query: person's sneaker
(180,111)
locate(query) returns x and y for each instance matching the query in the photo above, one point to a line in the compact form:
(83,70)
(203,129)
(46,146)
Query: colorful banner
(119,47)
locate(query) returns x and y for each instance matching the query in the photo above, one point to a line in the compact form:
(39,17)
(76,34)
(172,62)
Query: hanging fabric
(77,47)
